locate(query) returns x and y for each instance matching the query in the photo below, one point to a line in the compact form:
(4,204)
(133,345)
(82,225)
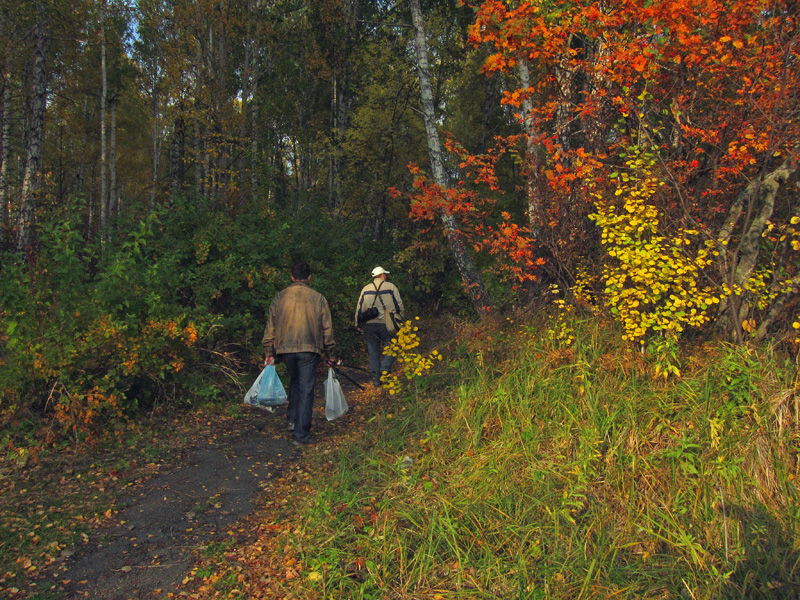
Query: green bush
(93,333)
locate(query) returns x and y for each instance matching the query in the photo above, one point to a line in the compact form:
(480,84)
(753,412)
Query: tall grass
(571,473)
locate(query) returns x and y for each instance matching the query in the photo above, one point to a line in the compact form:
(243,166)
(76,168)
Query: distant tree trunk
(113,199)
(197,145)
(247,75)
(177,154)
(254,163)
(33,153)
(249,117)
(5,150)
(340,103)
(103,133)
(469,274)
(156,143)
(80,175)
(532,188)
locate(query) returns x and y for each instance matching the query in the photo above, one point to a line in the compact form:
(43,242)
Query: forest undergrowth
(521,469)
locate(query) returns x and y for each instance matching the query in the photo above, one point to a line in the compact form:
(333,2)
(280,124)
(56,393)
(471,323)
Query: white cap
(378,271)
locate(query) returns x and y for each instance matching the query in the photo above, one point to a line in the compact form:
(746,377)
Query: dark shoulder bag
(372,312)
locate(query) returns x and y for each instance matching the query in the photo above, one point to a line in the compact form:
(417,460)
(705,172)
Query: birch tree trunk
(254,163)
(103,101)
(5,150)
(532,187)
(33,154)
(469,274)
(340,109)
(177,156)
(156,142)
(113,199)
(247,76)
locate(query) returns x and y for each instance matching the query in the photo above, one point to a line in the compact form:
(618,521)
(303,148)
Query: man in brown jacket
(299,332)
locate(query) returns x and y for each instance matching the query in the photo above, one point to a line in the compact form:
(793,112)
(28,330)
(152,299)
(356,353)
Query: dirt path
(149,549)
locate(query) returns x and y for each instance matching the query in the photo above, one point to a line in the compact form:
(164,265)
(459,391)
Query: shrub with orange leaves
(712,86)
(71,360)
(492,232)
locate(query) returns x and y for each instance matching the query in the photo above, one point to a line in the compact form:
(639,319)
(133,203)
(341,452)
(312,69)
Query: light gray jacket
(370,296)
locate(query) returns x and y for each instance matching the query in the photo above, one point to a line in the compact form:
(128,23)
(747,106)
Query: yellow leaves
(651,282)
(413,364)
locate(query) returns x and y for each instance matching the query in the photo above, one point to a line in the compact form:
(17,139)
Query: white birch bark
(5,147)
(156,135)
(33,153)
(113,194)
(103,141)
(531,159)
(469,274)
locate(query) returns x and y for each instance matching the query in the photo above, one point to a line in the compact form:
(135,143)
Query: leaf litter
(215,517)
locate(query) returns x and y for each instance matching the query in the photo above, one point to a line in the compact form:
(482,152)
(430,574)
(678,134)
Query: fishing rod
(346,376)
(341,364)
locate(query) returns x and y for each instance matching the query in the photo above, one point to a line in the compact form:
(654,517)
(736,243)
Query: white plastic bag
(267,390)
(335,404)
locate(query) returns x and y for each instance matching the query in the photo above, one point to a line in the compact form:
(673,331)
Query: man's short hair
(301,271)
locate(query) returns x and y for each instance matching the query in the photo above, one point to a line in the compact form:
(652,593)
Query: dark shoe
(298,443)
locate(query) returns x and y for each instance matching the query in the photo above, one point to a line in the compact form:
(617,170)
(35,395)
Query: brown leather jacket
(299,321)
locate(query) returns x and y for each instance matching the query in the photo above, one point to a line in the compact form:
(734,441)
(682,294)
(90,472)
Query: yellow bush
(651,280)
(412,364)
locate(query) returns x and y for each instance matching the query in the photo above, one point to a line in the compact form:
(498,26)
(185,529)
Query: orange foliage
(713,85)
(116,356)
(478,222)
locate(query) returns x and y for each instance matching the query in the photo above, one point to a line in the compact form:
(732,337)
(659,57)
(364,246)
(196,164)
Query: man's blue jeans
(377,338)
(302,368)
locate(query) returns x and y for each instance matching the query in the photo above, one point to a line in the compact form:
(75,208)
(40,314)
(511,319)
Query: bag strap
(378,294)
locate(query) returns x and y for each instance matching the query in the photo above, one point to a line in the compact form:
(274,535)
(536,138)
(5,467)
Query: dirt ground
(151,545)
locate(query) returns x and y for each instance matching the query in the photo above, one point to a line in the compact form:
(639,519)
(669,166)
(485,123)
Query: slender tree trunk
(103,133)
(33,154)
(469,274)
(113,200)
(197,136)
(254,162)
(80,174)
(339,112)
(177,155)
(5,151)
(156,143)
(532,165)
(247,76)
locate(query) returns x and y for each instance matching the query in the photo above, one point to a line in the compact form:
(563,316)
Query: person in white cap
(378,305)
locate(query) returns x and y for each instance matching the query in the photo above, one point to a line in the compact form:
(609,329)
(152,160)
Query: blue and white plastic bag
(267,391)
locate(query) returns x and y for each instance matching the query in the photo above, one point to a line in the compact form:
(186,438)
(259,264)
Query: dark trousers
(302,367)
(377,338)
